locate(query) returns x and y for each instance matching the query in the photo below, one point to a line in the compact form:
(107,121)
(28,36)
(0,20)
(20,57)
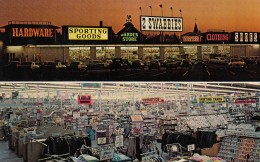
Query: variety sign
(155,23)
(191,38)
(244,37)
(86,33)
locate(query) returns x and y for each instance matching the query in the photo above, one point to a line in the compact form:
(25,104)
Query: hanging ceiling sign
(246,100)
(156,23)
(211,99)
(84,99)
(153,100)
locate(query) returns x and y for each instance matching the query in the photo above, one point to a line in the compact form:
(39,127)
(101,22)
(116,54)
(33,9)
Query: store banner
(216,99)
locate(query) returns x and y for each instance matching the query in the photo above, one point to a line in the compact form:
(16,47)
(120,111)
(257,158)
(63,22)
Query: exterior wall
(62,53)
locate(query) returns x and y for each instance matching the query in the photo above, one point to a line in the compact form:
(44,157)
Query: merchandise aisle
(129,122)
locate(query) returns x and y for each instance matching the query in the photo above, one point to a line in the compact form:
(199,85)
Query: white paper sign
(101,140)
(119,142)
(106,154)
(191,147)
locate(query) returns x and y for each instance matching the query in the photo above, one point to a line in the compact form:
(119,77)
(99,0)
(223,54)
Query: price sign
(101,140)
(119,142)
(106,154)
(191,147)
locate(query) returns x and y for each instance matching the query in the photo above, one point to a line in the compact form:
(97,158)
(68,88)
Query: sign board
(156,23)
(129,37)
(191,147)
(245,37)
(87,33)
(136,118)
(106,154)
(84,99)
(101,140)
(211,99)
(246,100)
(217,37)
(193,39)
(153,100)
(119,142)
(32,32)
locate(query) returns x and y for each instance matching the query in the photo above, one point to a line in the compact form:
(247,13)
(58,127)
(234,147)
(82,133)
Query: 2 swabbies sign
(156,23)
(87,33)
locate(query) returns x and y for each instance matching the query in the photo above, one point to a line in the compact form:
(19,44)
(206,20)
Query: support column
(199,52)
(215,49)
(118,52)
(140,52)
(93,53)
(162,52)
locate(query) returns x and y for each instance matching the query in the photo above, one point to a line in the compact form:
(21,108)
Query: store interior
(130,121)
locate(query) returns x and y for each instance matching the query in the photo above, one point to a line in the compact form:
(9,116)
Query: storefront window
(171,52)
(150,53)
(103,53)
(191,52)
(79,53)
(129,53)
(224,51)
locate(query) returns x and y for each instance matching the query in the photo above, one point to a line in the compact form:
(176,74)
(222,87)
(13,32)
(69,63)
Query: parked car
(49,65)
(173,64)
(237,63)
(137,64)
(13,65)
(218,60)
(249,60)
(77,66)
(117,64)
(257,62)
(60,66)
(107,63)
(28,66)
(96,65)
(154,64)
(186,64)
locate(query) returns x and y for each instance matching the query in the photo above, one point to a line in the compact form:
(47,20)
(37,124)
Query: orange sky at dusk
(228,15)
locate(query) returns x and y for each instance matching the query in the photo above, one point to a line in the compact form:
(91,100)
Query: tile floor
(7,155)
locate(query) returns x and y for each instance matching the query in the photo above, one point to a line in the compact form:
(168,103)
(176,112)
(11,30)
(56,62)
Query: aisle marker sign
(211,99)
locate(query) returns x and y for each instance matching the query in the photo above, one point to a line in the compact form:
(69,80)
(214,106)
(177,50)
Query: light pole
(151,10)
(161,33)
(180,31)
(171,11)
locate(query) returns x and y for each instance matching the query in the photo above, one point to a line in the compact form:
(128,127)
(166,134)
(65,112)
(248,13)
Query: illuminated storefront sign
(246,100)
(32,32)
(85,33)
(217,37)
(154,23)
(244,37)
(211,99)
(129,37)
(191,39)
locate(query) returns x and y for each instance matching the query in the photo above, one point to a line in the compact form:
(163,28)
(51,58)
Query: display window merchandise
(130,121)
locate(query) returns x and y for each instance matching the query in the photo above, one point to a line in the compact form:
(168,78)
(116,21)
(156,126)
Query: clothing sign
(106,154)
(119,142)
(155,23)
